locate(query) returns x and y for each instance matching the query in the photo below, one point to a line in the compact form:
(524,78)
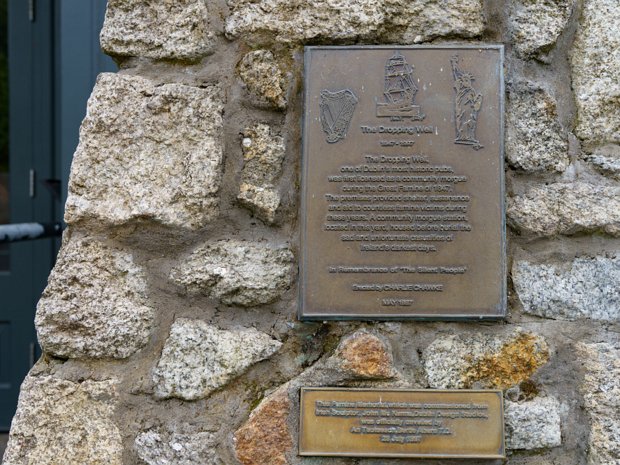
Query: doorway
(49,60)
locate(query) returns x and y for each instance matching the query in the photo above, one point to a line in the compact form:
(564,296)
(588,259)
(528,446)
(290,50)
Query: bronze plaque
(402,184)
(401,423)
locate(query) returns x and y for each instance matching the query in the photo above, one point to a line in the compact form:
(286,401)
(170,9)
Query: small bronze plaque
(402,189)
(401,423)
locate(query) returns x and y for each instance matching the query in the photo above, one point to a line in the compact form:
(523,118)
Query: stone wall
(169,323)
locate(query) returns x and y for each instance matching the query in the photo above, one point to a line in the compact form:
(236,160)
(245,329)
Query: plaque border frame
(502,306)
(501,453)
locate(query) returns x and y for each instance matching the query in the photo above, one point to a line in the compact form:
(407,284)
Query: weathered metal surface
(402,189)
(401,423)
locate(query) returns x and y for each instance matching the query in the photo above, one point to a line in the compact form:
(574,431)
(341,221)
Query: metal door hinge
(32,354)
(32,177)
(31,10)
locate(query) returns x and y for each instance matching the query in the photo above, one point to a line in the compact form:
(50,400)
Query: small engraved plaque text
(402,184)
(401,423)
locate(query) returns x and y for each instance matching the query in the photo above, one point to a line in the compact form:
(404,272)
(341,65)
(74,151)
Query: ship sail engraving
(467,105)
(337,109)
(399,91)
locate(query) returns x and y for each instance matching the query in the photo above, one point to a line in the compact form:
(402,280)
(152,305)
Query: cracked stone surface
(263,154)
(176,30)
(478,360)
(596,66)
(199,358)
(401,21)
(59,421)
(94,305)
(236,272)
(584,288)
(566,208)
(533,424)
(536,24)
(147,153)
(534,138)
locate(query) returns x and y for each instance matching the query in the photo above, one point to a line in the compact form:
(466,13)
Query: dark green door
(50,54)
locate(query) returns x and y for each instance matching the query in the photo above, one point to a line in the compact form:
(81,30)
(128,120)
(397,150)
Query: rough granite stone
(236,272)
(606,160)
(94,305)
(265,438)
(596,67)
(585,288)
(264,79)
(400,21)
(601,393)
(559,208)
(534,424)
(176,30)
(156,447)
(62,422)
(534,138)
(147,153)
(365,355)
(478,360)
(536,25)
(199,358)
(263,154)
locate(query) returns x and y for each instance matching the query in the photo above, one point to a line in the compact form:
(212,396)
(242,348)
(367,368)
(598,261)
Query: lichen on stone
(264,79)
(478,360)
(516,360)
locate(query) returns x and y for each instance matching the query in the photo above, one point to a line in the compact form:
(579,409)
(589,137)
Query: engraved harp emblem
(467,105)
(336,112)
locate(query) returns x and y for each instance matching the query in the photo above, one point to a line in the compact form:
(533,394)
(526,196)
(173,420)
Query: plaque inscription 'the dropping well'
(401,423)
(402,189)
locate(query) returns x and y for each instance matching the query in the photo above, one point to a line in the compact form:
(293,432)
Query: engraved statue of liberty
(467,104)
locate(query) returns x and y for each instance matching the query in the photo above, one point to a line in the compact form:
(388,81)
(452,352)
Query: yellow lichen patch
(514,363)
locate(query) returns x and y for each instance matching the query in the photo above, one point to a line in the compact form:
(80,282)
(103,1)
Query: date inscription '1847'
(402,204)
(401,423)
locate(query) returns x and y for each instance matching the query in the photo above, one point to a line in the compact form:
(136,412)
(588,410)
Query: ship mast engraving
(399,91)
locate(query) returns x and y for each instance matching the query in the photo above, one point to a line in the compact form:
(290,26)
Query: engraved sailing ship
(467,105)
(399,91)
(337,109)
